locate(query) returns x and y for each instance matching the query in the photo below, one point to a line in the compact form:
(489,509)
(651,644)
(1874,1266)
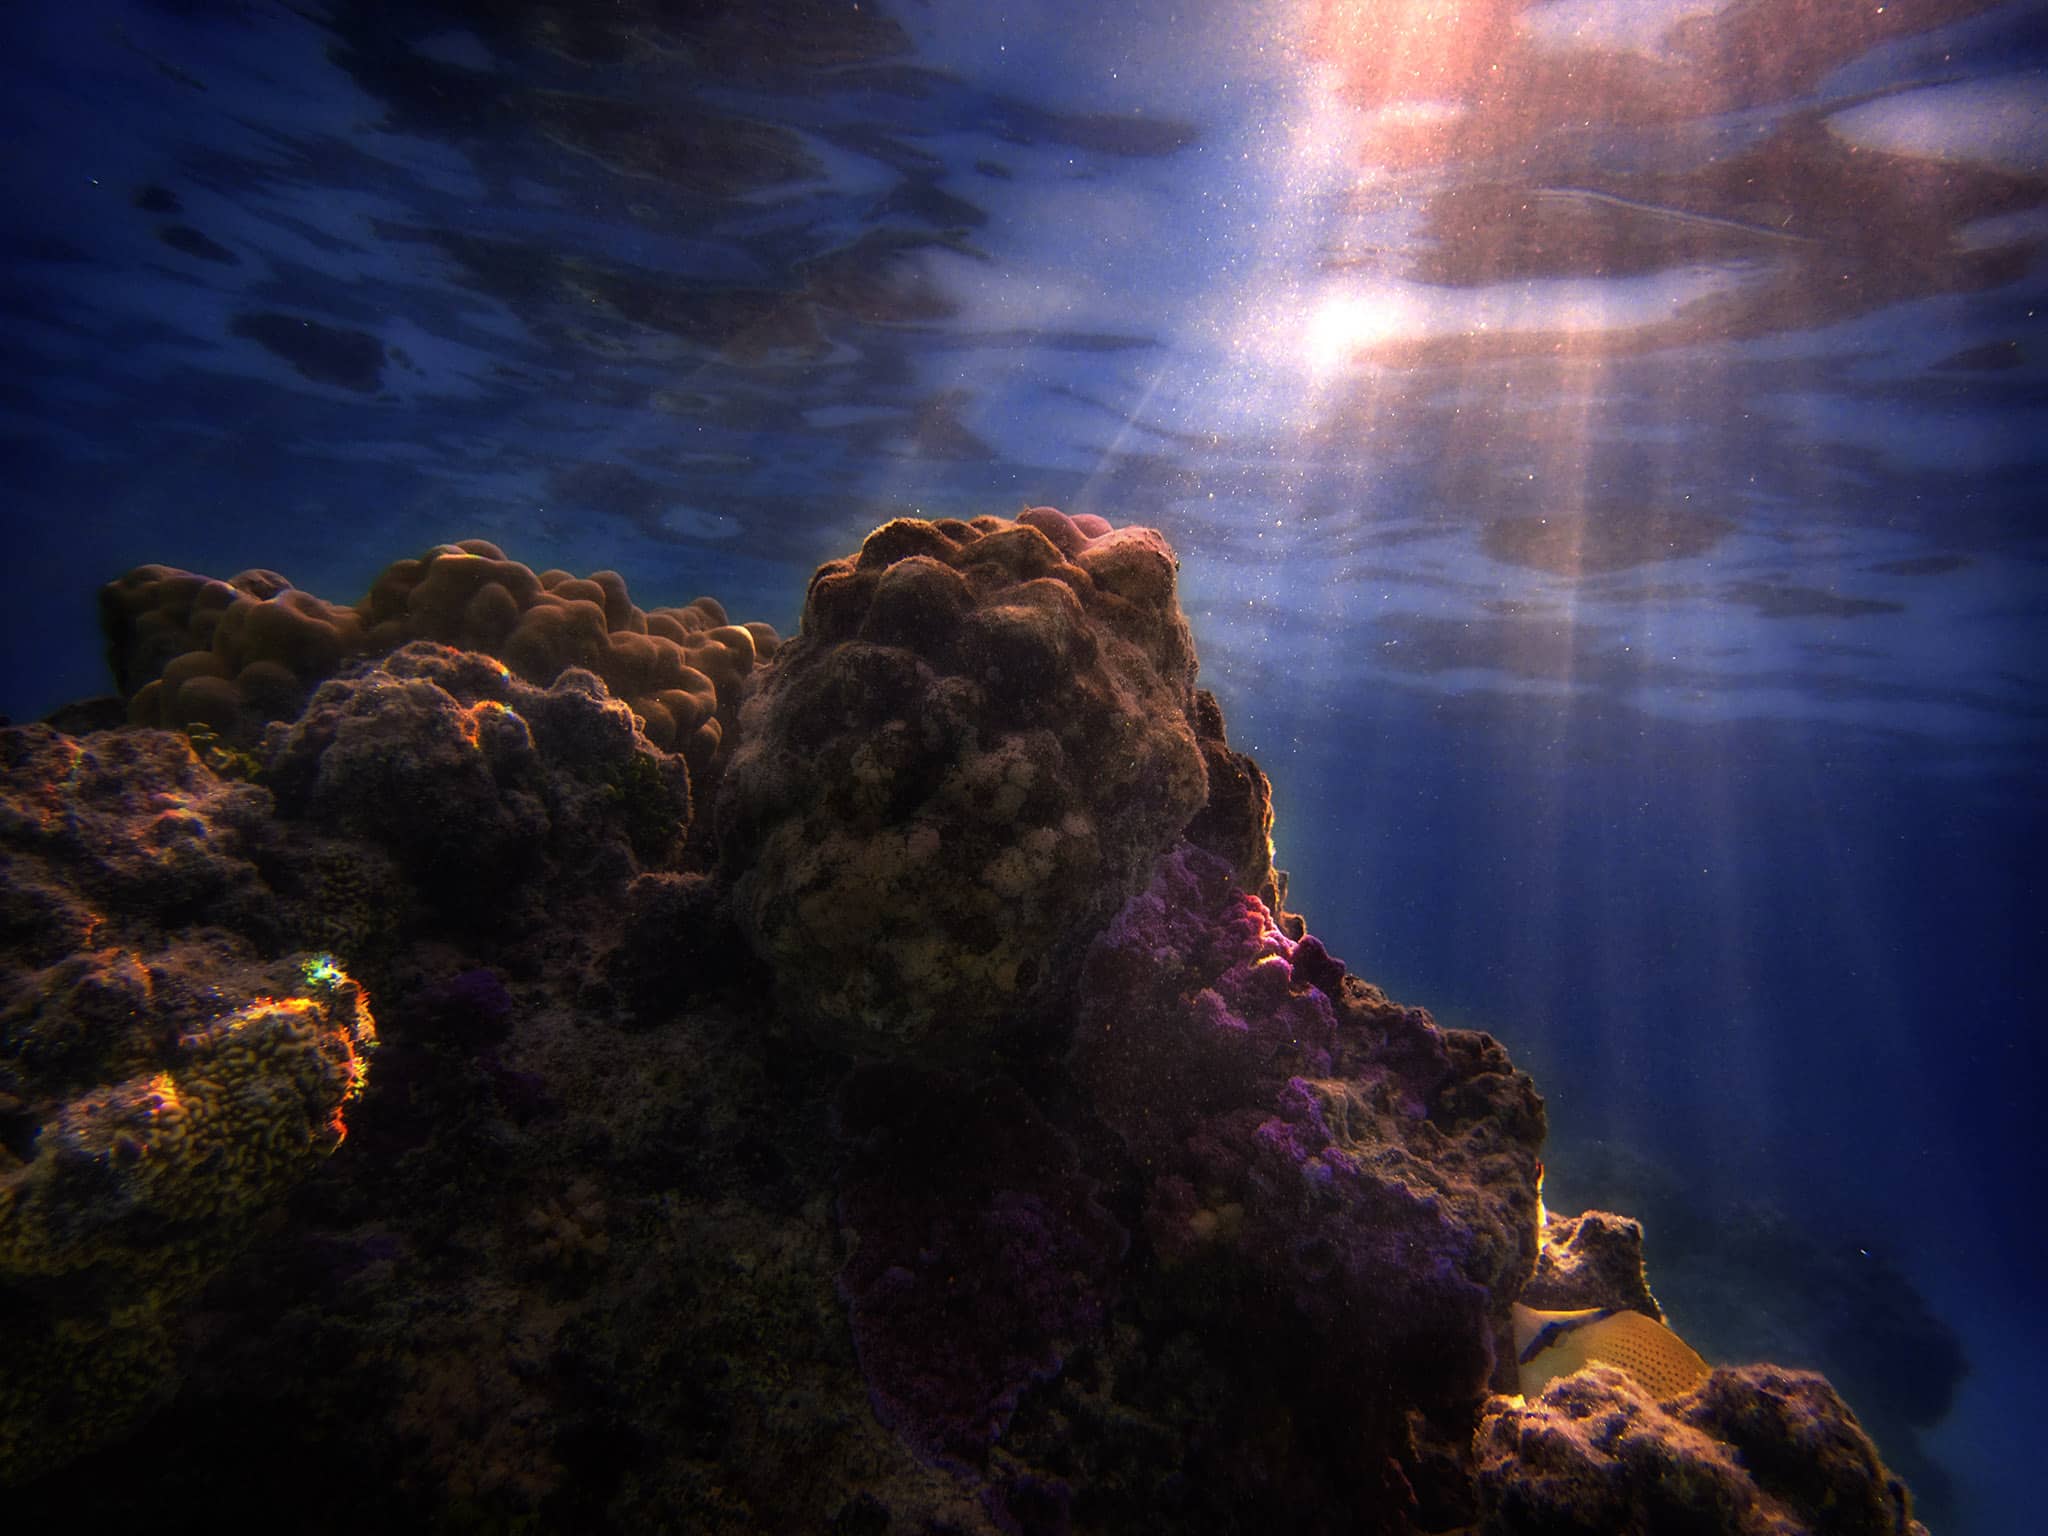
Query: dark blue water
(1604,444)
(1798,973)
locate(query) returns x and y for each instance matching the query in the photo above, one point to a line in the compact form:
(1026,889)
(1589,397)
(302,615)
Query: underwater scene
(907,768)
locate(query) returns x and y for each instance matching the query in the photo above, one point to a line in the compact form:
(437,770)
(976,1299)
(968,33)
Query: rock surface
(1753,1451)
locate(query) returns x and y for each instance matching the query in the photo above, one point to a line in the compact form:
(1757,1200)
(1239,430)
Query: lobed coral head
(971,753)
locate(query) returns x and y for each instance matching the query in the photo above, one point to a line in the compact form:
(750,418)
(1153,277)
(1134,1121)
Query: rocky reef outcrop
(493,795)
(1752,1451)
(972,751)
(162,1086)
(879,1089)
(1753,1283)
(189,650)
(1373,1174)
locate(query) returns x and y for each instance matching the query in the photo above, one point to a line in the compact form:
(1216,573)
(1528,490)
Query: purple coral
(471,1007)
(1372,1175)
(1217,1019)
(980,1254)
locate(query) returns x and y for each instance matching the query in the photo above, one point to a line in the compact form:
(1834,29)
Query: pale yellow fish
(1553,1344)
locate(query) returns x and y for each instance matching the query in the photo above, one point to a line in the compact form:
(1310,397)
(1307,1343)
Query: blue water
(1604,443)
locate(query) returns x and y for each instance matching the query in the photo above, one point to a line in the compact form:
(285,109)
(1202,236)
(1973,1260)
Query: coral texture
(1236,822)
(158,1092)
(1348,1169)
(1752,1282)
(980,1253)
(125,820)
(234,654)
(950,778)
(1377,1171)
(479,784)
(1754,1451)
(1207,1235)
(1591,1260)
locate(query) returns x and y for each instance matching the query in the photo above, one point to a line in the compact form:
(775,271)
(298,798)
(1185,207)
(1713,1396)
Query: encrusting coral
(162,1085)
(1356,1173)
(1752,1451)
(969,755)
(1755,1283)
(1236,820)
(972,1275)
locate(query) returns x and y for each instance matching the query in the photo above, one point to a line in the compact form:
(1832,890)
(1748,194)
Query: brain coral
(971,753)
(188,650)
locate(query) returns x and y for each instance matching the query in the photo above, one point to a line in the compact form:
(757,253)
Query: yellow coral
(139,1191)
(971,751)
(228,655)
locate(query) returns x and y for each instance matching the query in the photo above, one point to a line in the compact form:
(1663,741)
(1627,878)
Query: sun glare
(1351,322)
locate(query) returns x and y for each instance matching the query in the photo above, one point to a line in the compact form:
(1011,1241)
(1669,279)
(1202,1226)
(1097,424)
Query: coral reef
(964,1140)
(1749,1282)
(162,1085)
(969,755)
(980,1253)
(138,1191)
(479,784)
(160,1088)
(1754,1451)
(189,650)
(1359,1170)
(1344,1136)
(1594,1259)
(1236,821)
(124,821)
